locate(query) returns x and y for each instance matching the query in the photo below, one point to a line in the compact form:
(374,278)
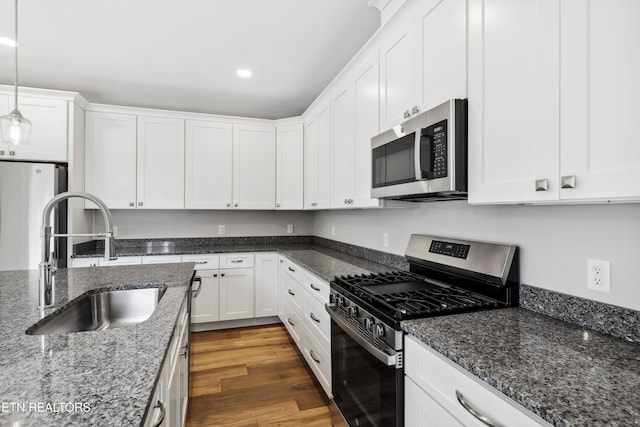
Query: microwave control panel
(434,150)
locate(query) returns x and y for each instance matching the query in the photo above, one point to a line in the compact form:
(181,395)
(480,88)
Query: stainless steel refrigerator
(25,188)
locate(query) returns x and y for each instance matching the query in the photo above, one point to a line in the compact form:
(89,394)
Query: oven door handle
(381,355)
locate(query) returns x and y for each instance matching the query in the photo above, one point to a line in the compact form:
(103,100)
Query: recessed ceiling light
(244,73)
(8,42)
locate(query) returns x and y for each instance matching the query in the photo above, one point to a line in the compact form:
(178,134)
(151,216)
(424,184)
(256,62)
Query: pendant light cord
(16,56)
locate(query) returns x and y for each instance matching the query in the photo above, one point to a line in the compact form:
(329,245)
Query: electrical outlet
(385,240)
(333,231)
(290,228)
(222,229)
(115,230)
(599,275)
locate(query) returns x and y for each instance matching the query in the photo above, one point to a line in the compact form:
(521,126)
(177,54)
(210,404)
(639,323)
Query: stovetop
(406,295)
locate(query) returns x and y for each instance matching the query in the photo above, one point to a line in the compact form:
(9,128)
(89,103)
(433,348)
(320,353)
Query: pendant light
(15,128)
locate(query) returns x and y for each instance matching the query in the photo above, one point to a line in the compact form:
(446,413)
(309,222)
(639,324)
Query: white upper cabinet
(600,88)
(311,163)
(367,125)
(208,165)
(49,123)
(317,159)
(254,167)
(289,166)
(355,108)
(552,89)
(110,154)
(343,109)
(397,75)
(4,110)
(441,52)
(160,163)
(324,159)
(513,100)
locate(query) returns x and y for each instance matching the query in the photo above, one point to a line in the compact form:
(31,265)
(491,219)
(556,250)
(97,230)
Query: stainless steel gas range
(446,276)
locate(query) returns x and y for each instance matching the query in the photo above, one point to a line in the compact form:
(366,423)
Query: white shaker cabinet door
(205,299)
(343,152)
(110,156)
(266,285)
(441,52)
(324,158)
(254,167)
(600,88)
(4,110)
(311,163)
(236,293)
(367,125)
(208,165)
(513,100)
(160,163)
(289,167)
(397,75)
(49,123)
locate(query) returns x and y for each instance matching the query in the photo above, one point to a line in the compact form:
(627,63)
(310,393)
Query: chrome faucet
(47,270)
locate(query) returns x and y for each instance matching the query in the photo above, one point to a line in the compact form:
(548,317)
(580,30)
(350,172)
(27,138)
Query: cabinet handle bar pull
(160,406)
(473,411)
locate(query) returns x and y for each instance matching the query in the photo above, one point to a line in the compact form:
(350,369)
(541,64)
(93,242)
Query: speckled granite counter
(111,374)
(322,261)
(567,375)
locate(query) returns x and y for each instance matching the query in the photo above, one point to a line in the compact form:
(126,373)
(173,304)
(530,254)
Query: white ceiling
(183,54)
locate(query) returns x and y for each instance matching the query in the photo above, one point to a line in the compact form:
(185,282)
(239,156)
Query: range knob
(378,331)
(339,301)
(352,311)
(368,324)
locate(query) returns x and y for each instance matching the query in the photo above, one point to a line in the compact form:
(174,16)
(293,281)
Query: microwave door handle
(416,156)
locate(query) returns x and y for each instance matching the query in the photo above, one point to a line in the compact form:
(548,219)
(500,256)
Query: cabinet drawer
(316,286)
(319,360)
(292,293)
(441,378)
(85,262)
(161,259)
(236,261)
(293,324)
(125,260)
(203,262)
(293,270)
(317,319)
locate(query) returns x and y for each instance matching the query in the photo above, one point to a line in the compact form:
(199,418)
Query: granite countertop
(567,375)
(326,263)
(85,378)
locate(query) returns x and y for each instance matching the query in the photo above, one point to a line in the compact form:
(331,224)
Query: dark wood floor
(252,377)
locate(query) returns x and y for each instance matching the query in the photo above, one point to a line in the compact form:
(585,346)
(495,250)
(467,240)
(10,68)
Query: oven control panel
(455,250)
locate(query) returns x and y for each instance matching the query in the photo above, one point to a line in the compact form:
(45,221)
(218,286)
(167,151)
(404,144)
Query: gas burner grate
(427,297)
(387,277)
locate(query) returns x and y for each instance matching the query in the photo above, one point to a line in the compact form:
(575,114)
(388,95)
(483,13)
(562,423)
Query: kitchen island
(85,378)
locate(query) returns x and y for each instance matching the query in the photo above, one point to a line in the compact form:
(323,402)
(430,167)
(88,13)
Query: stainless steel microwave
(424,158)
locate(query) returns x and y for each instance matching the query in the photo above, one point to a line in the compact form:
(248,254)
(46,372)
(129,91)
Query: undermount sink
(102,310)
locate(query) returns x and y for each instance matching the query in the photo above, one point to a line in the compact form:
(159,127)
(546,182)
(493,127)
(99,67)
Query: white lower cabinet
(170,397)
(421,410)
(236,294)
(440,393)
(266,285)
(302,299)
(204,302)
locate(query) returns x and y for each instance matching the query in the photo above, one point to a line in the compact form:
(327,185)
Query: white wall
(158,224)
(555,241)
